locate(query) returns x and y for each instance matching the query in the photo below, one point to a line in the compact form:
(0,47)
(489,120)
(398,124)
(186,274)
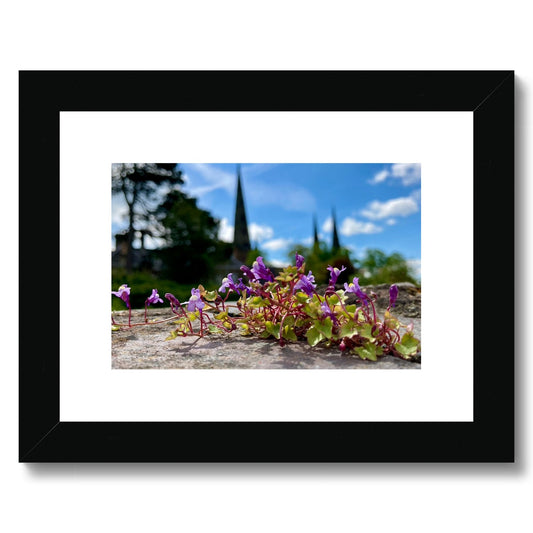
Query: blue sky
(376,205)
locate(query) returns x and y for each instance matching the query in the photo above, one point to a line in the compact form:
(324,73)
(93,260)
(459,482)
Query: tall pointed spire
(241,239)
(335,241)
(316,242)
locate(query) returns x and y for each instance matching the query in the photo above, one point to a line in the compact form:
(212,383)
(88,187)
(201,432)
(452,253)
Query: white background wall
(344,35)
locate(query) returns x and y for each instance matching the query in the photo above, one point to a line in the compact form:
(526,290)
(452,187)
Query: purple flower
(195,301)
(306,283)
(328,312)
(174,302)
(299,260)
(123,293)
(154,298)
(393,294)
(335,272)
(241,287)
(354,287)
(227,283)
(172,299)
(261,271)
(248,272)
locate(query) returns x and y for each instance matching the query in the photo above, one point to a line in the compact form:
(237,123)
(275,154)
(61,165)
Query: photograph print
(266,266)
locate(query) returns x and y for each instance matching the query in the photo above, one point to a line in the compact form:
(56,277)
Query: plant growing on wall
(288,308)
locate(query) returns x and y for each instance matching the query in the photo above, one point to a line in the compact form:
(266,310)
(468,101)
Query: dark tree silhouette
(139,184)
(191,235)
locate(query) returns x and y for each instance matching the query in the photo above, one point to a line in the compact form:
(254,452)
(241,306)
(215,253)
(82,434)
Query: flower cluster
(289,308)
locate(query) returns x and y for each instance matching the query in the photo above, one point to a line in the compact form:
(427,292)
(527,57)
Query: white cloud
(402,207)
(208,178)
(416,195)
(213,178)
(278,263)
(256,169)
(391,222)
(225,231)
(327,227)
(276,244)
(260,233)
(257,232)
(351,226)
(381,176)
(407,173)
(416,267)
(119,212)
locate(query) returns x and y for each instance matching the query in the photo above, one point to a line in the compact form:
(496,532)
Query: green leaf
(245,330)
(333,299)
(347,330)
(288,321)
(341,295)
(213,329)
(390,321)
(193,316)
(173,335)
(368,351)
(115,328)
(366,331)
(408,346)
(284,277)
(211,296)
(289,334)
(257,301)
(311,310)
(314,336)
(317,299)
(222,315)
(273,329)
(301,297)
(324,327)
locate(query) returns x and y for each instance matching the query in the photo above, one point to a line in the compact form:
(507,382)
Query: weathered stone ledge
(145,347)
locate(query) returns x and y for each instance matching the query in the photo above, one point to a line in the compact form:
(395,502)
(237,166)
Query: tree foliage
(139,185)
(190,233)
(374,268)
(377,267)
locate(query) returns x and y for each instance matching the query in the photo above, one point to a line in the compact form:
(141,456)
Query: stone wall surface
(145,347)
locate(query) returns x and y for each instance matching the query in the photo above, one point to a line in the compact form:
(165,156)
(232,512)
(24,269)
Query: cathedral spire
(316,242)
(241,239)
(335,240)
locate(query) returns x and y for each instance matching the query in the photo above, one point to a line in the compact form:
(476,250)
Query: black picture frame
(489,95)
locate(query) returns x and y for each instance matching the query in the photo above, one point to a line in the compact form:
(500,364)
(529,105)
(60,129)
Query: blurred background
(175,226)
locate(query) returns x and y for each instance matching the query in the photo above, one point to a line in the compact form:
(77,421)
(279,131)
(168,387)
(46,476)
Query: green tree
(378,267)
(191,235)
(139,184)
(374,268)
